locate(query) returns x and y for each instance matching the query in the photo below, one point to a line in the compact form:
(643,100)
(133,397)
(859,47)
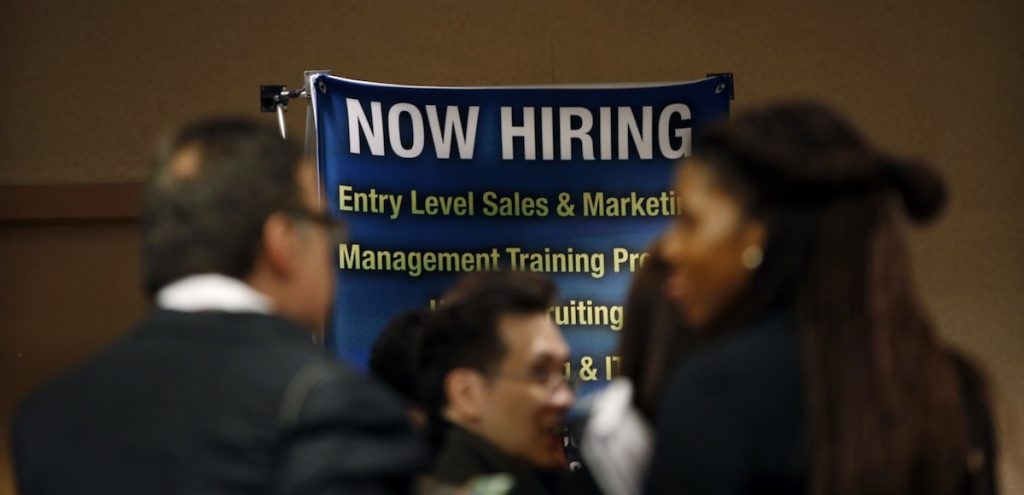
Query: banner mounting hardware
(726,85)
(275,98)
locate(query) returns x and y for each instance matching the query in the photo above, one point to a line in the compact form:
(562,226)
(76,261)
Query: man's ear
(277,244)
(465,390)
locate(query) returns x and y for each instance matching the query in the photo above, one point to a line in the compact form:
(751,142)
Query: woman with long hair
(822,373)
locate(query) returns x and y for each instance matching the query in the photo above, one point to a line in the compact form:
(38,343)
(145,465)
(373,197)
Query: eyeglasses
(549,379)
(335,227)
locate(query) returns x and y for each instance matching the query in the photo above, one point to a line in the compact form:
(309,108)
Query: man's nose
(563,397)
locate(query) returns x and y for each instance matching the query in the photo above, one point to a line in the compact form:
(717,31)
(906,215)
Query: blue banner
(573,182)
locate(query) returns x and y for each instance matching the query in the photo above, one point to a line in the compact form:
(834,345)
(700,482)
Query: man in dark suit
(493,366)
(220,389)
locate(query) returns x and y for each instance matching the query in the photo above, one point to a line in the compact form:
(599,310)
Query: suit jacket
(213,403)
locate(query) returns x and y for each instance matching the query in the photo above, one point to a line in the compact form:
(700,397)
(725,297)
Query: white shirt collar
(212,292)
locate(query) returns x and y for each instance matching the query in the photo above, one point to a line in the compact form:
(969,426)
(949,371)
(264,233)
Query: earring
(752,257)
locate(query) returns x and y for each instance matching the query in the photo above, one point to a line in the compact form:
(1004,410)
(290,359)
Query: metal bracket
(727,85)
(274,98)
(307,83)
(307,77)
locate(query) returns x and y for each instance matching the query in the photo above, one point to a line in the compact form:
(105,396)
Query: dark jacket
(732,418)
(464,456)
(213,403)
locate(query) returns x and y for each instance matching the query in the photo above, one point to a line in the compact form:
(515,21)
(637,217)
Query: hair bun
(922,189)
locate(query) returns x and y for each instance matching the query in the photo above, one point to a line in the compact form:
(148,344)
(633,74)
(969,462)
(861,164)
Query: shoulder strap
(299,388)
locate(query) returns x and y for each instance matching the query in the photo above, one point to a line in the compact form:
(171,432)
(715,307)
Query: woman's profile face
(705,245)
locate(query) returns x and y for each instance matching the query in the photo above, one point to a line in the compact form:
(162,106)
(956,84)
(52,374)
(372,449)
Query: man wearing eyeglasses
(493,366)
(221,389)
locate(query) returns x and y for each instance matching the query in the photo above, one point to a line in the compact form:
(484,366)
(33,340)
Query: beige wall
(86,86)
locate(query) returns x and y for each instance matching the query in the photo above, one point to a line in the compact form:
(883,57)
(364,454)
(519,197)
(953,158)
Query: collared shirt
(212,292)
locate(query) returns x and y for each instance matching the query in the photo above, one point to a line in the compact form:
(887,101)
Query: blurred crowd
(772,342)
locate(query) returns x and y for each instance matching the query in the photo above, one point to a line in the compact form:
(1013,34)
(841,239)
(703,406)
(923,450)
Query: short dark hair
(214,183)
(463,332)
(395,354)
